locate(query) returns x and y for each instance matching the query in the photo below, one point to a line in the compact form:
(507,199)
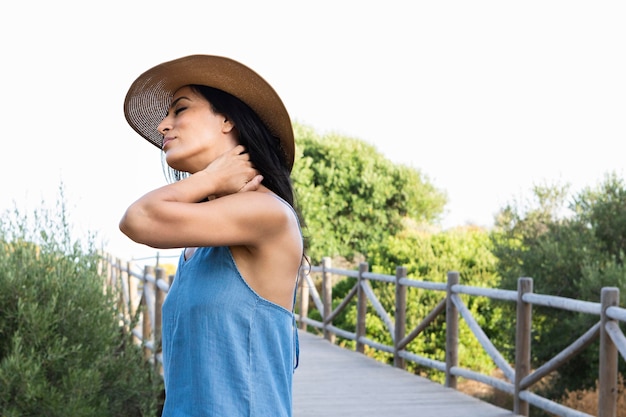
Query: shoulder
(265,204)
(271,225)
(262,211)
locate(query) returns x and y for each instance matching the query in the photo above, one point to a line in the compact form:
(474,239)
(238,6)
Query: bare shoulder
(261,215)
(266,204)
(276,211)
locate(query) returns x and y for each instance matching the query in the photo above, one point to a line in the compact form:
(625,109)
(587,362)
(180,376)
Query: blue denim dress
(227,352)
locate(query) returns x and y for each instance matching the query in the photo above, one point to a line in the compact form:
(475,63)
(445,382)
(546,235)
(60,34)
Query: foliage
(586,400)
(351,196)
(62,351)
(571,249)
(602,211)
(429,257)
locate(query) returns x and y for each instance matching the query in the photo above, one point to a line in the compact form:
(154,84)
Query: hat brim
(149,96)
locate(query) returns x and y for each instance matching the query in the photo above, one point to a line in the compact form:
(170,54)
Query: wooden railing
(519,378)
(140,295)
(152,285)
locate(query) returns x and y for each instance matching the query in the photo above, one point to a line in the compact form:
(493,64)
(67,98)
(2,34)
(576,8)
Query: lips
(166,141)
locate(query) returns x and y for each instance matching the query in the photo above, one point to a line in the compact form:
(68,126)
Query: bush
(62,349)
(586,400)
(429,256)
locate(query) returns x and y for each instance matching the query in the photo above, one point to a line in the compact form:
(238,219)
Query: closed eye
(177,106)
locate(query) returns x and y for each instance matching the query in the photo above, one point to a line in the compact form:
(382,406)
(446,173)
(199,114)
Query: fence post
(361,307)
(103,262)
(132,292)
(123,306)
(452,331)
(304,298)
(159,297)
(522,343)
(133,301)
(146,333)
(607,385)
(327,298)
(112,282)
(400,319)
(119,290)
(108,273)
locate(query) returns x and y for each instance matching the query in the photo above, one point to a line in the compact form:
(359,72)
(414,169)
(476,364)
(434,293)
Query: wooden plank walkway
(331,381)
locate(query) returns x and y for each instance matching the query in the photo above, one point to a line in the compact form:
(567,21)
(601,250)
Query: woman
(229,337)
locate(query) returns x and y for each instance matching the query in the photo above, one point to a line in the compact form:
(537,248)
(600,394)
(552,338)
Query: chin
(181,166)
(175,163)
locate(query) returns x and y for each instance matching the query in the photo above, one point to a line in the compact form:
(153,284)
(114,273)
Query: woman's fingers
(253,184)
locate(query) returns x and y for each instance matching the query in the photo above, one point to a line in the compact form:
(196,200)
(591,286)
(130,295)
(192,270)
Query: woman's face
(193,135)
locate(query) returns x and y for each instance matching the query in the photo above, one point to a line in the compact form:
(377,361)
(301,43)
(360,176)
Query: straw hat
(150,95)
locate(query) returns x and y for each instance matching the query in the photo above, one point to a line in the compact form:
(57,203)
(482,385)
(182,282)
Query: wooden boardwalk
(331,381)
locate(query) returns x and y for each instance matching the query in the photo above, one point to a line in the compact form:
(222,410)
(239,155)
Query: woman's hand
(233,172)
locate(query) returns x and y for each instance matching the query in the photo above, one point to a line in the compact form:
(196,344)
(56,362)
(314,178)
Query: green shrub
(62,350)
(429,257)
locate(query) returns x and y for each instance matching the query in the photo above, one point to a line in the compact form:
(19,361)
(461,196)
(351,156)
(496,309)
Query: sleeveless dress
(227,352)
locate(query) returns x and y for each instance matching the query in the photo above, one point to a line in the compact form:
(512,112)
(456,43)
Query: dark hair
(266,152)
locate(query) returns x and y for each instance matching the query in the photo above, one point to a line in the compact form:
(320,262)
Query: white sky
(486,98)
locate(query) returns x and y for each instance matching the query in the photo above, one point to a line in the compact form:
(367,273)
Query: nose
(164,126)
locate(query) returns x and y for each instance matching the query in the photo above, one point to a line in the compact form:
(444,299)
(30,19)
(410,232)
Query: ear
(227,125)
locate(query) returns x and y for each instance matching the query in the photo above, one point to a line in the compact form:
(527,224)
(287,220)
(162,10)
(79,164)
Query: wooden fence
(143,293)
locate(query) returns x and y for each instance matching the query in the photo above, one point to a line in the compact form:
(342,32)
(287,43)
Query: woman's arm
(178,215)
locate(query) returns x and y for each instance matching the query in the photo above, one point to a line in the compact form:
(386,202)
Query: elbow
(125,226)
(140,225)
(130,225)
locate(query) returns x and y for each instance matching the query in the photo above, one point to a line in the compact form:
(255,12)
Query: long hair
(265,150)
